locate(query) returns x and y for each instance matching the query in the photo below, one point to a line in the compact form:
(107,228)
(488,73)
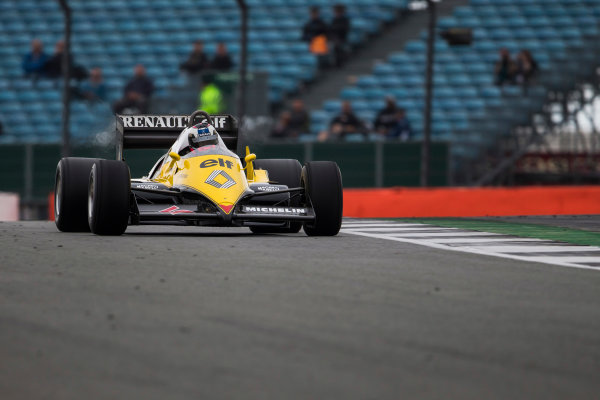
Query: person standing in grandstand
(346,122)
(53,67)
(197,60)
(526,68)
(299,118)
(34,61)
(315,33)
(315,26)
(210,98)
(338,33)
(504,70)
(137,93)
(222,61)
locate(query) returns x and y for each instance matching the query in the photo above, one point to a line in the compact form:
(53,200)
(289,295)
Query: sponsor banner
(274,210)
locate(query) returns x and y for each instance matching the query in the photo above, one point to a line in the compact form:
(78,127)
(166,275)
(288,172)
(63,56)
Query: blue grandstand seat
(367,81)
(352,93)
(332,106)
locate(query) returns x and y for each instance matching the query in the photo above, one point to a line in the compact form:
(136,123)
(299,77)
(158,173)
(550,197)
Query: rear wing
(161,131)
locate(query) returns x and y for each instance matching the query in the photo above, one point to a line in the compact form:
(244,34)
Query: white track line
(499,240)
(420,239)
(571,259)
(456,234)
(387,226)
(538,249)
(369,221)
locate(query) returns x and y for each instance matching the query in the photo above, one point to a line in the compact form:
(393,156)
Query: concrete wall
(9,206)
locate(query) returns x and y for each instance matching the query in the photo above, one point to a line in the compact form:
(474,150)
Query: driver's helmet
(202,134)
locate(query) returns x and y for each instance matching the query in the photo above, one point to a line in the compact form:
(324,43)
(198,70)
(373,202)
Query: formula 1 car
(199,181)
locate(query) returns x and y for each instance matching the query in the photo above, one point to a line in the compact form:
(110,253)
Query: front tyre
(108,197)
(322,182)
(70,194)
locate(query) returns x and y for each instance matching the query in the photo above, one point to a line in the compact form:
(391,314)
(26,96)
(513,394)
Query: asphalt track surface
(190,313)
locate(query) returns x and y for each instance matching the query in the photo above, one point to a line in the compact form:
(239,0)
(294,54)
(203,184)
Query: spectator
(210,98)
(401,129)
(137,93)
(344,123)
(283,127)
(314,27)
(53,66)
(294,122)
(34,61)
(300,120)
(504,69)
(315,33)
(338,33)
(222,60)
(386,117)
(94,89)
(197,60)
(526,68)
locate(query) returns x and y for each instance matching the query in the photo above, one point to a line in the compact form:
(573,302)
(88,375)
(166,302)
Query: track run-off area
(480,242)
(387,309)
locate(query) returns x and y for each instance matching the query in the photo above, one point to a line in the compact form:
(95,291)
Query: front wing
(245,211)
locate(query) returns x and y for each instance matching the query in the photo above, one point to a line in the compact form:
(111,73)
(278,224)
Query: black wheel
(285,172)
(108,197)
(70,194)
(322,182)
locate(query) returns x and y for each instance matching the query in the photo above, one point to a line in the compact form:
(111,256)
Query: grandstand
(468,109)
(117,34)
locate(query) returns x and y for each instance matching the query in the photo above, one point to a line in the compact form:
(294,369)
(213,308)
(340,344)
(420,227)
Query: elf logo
(219,161)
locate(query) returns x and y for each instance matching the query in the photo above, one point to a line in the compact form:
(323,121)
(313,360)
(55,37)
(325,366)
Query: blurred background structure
(515,85)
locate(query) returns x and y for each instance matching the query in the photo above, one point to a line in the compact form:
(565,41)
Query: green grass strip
(568,235)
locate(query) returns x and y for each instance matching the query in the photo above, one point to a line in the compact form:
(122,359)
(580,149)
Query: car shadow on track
(210,234)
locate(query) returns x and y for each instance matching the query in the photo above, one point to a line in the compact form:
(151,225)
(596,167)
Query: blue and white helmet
(202,134)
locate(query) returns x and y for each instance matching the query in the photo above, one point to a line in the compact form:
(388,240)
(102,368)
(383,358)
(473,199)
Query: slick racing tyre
(322,182)
(70,194)
(108,197)
(284,172)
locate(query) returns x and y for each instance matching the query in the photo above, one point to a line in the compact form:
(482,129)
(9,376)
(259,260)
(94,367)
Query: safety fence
(29,169)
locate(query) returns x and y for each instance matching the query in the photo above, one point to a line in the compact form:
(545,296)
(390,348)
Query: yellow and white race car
(199,181)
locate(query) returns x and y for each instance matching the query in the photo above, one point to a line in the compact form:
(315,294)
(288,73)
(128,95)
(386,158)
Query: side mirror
(249,166)
(249,158)
(174,156)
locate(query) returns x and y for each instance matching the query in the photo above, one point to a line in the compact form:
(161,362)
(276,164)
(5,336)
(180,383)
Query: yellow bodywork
(220,178)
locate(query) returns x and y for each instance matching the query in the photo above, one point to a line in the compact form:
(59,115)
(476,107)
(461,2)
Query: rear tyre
(70,194)
(108,197)
(322,182)
(284,172)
